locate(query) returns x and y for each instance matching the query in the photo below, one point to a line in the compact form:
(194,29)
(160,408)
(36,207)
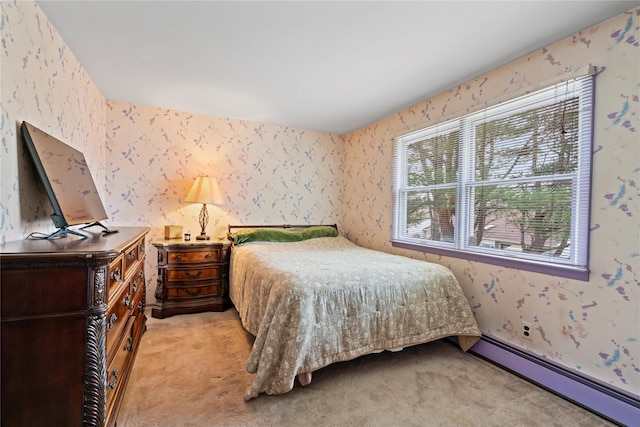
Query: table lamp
(204,190)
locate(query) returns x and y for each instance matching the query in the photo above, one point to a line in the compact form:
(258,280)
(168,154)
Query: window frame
(578,265)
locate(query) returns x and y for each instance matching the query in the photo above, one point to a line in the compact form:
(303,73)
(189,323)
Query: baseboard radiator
(602,400)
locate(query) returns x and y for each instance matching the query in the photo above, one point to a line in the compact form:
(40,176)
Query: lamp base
(203,237)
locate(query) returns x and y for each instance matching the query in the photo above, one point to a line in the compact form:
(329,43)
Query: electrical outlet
(527,330)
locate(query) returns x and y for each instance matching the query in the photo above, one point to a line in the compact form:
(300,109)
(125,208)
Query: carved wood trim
(98,294)
(95,372)
(159,294)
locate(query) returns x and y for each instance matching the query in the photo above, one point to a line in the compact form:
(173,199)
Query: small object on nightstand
(192,277)
(187,237)
(172,231)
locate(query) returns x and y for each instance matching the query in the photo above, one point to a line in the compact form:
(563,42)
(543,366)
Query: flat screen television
(67,180)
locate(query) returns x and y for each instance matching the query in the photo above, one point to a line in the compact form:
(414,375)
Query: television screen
(66,178)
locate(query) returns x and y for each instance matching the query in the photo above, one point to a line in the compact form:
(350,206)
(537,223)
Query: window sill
(537,267)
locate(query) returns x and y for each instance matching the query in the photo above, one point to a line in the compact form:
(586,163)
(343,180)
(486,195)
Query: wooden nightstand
(193,277)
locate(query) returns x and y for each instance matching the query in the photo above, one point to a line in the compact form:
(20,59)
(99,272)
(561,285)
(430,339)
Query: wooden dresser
(72,320)
(193,276)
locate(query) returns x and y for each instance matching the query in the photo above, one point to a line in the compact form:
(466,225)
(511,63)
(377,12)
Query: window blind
(512,180)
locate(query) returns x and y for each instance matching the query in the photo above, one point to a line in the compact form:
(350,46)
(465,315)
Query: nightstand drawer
(193,291)
(185,257)
(193,274)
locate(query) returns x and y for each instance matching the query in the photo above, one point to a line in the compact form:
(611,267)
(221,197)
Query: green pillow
(281,234)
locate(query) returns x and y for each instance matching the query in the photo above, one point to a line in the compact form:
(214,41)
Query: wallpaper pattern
(146,159)
(592,327)
(267,174)
(41,83)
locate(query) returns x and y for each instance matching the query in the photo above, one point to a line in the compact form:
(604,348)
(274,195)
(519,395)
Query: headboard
(229,226)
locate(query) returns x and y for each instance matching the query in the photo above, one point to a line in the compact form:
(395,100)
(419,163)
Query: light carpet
(190,371)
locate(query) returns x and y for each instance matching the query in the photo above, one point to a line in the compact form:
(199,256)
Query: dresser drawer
(137,291)
(137,282)
(116,274)
(193,274)
(141,249)
(119,364)
(117,315)
(130,259)
(186,257)
(184,292)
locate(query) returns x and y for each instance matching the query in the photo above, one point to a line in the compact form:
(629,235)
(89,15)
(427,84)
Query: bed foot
(305,378)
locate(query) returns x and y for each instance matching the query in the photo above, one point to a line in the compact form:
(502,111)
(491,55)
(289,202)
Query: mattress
(324,300)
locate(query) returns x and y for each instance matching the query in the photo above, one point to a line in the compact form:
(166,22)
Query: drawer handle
(131,255)
(178,257)
(127,300)
(192,292)
(116,275)
(113,383)
(134,287)
(141,275)
(141,248)
(208,256)
(129,345)
(192,275)
(112,320)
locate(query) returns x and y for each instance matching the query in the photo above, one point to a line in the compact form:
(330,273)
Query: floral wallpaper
(41,83)
(267,174)
(590,327)
(145,158)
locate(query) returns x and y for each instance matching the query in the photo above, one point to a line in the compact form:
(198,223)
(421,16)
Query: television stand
(99,224)
(62,232)
(72,321)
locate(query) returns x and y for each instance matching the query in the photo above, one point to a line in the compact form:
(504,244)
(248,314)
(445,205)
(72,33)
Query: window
(508,185)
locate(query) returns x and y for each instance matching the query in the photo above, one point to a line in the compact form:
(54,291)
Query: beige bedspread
(324,300)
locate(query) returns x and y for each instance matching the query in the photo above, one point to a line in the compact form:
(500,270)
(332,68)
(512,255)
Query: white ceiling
(332,66)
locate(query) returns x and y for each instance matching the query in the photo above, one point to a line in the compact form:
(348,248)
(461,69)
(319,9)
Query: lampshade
(205,190)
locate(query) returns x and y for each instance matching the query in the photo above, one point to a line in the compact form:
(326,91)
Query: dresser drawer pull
(208,256)
(193,276)
(129,345)
(113,383)
(178,257)
(131,255)
(127,300)
(112,320)
(193,292)
(134,286)
(116,275)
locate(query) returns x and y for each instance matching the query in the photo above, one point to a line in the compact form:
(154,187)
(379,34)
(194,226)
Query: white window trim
(576,267)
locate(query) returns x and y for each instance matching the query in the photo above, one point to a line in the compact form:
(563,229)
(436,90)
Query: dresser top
(96,244)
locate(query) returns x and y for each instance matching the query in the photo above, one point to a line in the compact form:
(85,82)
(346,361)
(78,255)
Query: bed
(312,298)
